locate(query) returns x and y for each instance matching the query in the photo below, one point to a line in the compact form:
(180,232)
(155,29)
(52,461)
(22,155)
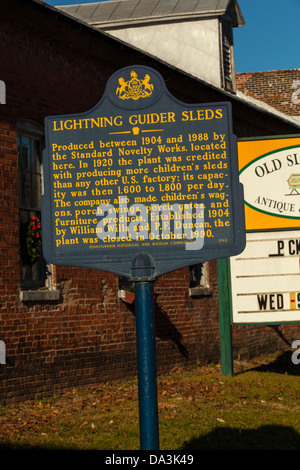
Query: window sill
(39,295)
(129,297)
(126,296)
(200,291)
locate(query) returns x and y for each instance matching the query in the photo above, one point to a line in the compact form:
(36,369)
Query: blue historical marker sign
(141,172)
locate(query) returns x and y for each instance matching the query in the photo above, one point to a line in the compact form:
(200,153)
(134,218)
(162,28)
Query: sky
(270,39)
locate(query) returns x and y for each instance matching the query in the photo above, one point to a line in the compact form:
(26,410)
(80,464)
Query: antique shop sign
(270,173)
(265,276)
(141,172)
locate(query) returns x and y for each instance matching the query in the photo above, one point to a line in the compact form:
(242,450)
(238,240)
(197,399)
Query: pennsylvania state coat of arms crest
(134,88)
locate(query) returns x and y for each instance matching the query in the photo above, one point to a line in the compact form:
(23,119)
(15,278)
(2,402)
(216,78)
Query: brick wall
(53,66)
(279,88)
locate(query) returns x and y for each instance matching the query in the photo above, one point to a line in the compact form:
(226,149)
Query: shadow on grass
(264,438)
(222,438)
(283,364)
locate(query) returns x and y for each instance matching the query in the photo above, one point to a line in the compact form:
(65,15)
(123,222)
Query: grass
(199,409)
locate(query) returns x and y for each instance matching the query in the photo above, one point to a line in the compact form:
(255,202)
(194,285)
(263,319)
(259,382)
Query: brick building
(278,88)
(63,326)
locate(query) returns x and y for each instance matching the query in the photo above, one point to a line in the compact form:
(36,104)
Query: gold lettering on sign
(158,185)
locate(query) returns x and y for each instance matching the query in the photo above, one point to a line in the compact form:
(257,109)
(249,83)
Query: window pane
(24,217)
(25,190)
(36,191)
(25,154)
(36,156)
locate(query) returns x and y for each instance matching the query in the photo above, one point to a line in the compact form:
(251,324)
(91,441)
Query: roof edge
(231,7)
(153,20)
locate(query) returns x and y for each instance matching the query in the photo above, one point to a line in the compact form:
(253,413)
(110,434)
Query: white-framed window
(30,142)
(35,273)
(199,279)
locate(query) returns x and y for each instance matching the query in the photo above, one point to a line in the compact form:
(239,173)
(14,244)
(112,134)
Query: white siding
(191,46)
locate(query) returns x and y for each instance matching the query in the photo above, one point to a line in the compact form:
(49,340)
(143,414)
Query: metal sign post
(146,353)
(143,270)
